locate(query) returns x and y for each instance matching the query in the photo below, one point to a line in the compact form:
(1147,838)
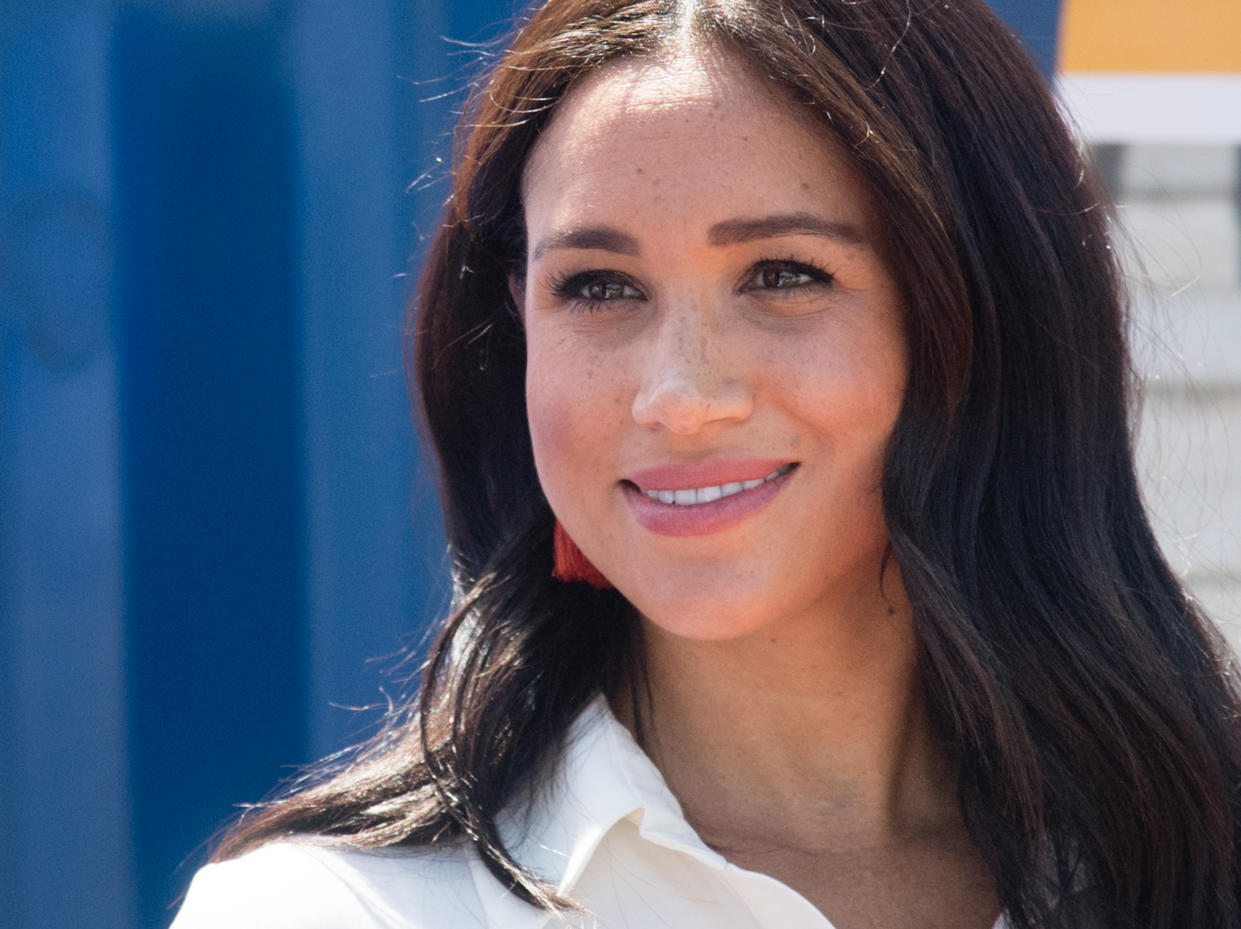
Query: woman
(774,356)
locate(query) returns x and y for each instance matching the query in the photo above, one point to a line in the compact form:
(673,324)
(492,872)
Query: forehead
(636,87)
(699,126)
(651,96)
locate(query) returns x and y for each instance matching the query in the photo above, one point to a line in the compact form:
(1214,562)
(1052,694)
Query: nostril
(684,406)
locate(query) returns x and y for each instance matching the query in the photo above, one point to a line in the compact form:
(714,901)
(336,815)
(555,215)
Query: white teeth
(713,493)
(707,494)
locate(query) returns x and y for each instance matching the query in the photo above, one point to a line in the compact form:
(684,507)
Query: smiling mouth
(693,496)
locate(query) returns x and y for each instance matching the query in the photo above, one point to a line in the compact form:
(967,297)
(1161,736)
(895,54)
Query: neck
(810,728)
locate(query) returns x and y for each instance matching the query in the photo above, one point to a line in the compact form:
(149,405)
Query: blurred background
(216,527)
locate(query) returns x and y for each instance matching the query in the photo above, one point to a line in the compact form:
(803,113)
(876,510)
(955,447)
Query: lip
(705,473)
(704,518)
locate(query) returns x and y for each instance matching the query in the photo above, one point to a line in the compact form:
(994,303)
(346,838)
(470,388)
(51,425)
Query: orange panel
(1150,35)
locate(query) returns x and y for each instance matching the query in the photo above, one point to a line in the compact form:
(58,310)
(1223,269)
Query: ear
(517,291)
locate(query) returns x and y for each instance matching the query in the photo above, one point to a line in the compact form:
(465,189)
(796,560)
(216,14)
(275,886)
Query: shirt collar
(602,777)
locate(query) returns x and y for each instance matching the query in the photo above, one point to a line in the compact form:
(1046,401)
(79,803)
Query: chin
(718,613)
(714,605)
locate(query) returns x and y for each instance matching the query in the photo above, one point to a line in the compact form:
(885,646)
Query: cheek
(550,412)
(553,437)
(845,386)
(568,408)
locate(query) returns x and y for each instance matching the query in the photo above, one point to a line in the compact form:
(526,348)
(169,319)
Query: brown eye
(785,275)
(779,278)
(593,291)
(606,290)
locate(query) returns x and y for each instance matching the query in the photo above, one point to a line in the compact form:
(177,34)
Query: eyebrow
(732,231)
(729,232)
(603,238)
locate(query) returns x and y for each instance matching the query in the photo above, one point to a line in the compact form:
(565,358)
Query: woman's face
(716,355)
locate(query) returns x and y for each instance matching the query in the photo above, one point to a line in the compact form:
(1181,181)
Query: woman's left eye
(784,275)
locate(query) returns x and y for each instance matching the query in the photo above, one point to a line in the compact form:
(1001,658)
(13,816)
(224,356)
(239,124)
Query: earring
(571,563)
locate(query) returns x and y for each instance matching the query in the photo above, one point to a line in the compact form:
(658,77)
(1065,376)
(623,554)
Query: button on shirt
(604,830)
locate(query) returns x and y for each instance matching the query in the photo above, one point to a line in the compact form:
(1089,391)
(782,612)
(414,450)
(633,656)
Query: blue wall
(213,519)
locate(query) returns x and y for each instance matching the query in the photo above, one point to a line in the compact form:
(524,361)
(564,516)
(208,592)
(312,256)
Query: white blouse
(606,832)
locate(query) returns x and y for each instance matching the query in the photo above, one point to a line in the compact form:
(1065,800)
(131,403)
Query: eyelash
(567,287)
(819,277)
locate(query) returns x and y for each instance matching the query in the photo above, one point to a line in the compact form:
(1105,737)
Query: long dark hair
(1091,715)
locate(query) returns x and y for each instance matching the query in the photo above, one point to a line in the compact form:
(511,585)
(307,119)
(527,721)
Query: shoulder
(295,885)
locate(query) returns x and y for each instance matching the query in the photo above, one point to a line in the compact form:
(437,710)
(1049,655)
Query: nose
(692,377)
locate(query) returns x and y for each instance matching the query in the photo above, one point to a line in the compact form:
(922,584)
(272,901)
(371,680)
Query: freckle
(640,171)
(796,441)
(655,182)
(804,185)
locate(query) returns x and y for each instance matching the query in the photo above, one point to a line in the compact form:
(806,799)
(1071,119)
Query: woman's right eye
(607,290)
(591,290)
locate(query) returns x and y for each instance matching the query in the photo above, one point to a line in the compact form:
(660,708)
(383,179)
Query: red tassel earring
(572,564)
